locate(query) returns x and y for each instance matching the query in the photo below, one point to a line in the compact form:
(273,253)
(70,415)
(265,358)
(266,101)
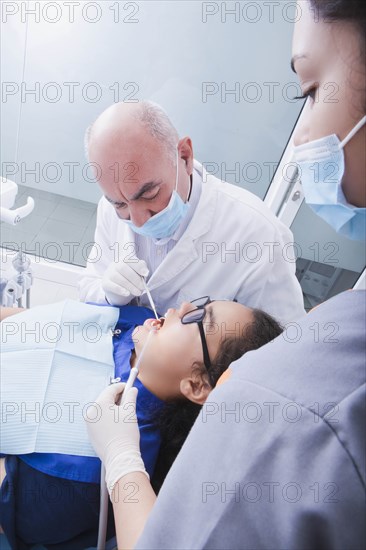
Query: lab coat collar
(130,238)
(195,194)
(203,224)
(185,252)
(202,219)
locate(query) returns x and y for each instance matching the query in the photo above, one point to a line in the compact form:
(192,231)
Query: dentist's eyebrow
(144,189)
(115,203)
(296,58)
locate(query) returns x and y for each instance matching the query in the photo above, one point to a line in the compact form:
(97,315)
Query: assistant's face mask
(322,168)
(166,222)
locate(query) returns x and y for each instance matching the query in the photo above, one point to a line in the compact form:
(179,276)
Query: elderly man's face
(136,174)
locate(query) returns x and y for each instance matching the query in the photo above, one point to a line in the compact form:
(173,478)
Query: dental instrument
(146,288)
(103,512)
(148,293)
(24,279)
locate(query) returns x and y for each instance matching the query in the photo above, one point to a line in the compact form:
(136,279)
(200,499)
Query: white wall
(163,50)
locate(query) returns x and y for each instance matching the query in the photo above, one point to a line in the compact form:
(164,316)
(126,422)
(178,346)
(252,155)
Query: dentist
(163,217)
(278,458)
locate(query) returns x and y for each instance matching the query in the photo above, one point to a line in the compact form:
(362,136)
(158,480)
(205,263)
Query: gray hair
(155,119)
(157,122)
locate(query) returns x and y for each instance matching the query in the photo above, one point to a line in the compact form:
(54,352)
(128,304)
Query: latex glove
(123,280)
(115,435)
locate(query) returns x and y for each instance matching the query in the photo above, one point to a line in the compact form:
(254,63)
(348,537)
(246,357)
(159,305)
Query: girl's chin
(139,335)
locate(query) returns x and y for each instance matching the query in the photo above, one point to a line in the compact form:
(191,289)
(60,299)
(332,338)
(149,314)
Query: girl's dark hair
(178,417)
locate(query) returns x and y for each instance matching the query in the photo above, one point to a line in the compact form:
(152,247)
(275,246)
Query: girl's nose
(184,308)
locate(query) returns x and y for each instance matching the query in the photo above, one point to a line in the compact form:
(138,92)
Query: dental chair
(18,283)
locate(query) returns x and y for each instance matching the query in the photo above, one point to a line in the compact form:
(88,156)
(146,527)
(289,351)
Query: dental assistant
(164,217)
(289,470)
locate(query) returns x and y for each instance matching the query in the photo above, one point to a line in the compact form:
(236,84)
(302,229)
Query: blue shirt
(87,469)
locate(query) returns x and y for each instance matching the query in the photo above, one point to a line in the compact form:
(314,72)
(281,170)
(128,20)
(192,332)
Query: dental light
(8,192)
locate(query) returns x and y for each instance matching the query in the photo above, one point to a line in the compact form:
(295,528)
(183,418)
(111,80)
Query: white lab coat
(233,248)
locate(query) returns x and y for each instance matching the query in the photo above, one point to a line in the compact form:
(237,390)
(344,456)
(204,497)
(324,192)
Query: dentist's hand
(123,281)
(115,435)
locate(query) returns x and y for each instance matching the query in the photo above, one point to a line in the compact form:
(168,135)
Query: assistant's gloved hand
(123,280)
(115,435)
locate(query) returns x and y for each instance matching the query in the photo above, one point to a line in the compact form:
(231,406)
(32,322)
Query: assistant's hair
(178,417)
(340,10)
(348,11)
(351,11)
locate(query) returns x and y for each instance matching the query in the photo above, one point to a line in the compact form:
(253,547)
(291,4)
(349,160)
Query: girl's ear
(196,389)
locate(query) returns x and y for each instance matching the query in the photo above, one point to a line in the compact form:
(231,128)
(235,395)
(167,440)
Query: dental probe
(104,497)
(148,293)
(136,369)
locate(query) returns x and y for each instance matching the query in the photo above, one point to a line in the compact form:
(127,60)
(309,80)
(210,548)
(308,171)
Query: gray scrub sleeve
(276,458)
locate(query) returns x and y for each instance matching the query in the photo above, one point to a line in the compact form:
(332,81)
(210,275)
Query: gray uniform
(276,459)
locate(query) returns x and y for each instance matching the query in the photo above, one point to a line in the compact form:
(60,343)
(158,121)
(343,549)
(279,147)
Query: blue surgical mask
(166,222)
(321,164)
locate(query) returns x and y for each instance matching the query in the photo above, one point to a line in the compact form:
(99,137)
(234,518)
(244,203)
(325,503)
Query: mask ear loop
(176,169)
(176,179)
(352,132)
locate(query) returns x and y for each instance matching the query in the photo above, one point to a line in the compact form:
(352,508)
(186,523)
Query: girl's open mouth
(156,324)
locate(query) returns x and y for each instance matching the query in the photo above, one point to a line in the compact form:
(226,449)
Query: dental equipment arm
(14,216)
(8,192)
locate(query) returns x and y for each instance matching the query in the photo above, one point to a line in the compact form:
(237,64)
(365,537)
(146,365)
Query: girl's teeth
(157,323)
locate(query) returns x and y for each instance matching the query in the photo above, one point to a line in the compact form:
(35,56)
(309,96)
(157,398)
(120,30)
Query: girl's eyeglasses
(197,316)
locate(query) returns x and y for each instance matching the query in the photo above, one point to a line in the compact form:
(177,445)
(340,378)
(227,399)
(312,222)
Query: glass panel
(327,263)
(219,69)
(59,228)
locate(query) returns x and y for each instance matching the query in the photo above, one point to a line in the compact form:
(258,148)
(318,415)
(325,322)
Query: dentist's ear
(186,153)
(195,388)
